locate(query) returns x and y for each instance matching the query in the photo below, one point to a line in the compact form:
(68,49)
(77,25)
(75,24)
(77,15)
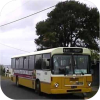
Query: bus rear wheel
(38,88)
(17,82)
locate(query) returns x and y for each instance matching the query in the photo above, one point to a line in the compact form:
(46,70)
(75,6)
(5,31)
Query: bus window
(25,62)
(81,64)
(38,62)
(21,62)
(46,61)
(31,62)
(17,63)
(12,63)
(62,64)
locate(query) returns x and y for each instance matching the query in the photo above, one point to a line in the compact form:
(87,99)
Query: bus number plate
(73,87)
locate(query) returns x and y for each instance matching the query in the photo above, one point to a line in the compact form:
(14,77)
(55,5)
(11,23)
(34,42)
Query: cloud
(87,2)
(39,5)
(31,7)
(21,34)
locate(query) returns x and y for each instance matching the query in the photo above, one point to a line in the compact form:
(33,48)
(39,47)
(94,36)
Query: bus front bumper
(64,91)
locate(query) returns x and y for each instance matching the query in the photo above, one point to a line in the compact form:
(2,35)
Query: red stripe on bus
(23,75)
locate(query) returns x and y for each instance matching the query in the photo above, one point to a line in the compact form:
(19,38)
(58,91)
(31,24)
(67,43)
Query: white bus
(54,71)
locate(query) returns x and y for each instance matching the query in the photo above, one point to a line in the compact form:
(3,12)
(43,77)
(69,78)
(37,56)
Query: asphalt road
(12,91)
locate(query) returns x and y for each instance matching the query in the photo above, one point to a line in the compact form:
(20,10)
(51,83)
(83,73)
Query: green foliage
(2,70)
(95,55)
(71,23)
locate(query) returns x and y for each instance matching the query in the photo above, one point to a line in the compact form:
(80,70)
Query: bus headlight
(89,84)
(56,85)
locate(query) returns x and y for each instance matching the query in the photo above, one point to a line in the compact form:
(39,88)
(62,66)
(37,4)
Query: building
(8,70)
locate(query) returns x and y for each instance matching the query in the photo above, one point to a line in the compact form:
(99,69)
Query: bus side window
(25,62)
(38,62)
(31,62)
(13,63)
(21,62)
(17,63)
(46,61)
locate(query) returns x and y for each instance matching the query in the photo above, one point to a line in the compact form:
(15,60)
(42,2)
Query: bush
(2,70)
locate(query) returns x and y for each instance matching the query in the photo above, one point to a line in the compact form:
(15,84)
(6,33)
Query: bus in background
(54,71)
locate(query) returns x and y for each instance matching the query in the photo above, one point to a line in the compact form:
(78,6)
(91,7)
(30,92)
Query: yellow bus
(54,71)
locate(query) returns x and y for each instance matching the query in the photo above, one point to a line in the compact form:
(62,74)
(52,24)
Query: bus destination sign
(72,50)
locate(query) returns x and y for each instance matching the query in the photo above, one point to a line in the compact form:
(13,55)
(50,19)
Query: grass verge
(4,77)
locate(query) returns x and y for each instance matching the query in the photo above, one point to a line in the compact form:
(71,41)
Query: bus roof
(54,50)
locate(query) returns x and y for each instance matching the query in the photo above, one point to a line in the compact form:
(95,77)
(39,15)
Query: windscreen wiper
(63,70)
(82,73)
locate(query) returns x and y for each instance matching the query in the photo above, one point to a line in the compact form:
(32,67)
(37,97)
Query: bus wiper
(63,70)
(82,73)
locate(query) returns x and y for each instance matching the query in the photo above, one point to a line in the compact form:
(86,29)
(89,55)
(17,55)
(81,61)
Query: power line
(13,47)
(26,16)
(22,19)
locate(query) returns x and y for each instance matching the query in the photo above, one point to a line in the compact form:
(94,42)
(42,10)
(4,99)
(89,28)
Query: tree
(70,23)
(95,55)
(4,70)
(1,69)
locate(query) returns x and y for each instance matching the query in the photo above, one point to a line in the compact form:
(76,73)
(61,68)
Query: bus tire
(38,87)
(86,94)
(17,82)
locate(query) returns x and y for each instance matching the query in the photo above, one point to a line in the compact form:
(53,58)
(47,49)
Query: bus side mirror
(93,62)
(91,71)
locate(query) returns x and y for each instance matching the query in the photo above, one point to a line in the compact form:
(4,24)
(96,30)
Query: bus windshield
(81,63)
(68,64)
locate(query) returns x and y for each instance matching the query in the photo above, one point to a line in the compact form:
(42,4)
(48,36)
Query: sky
(21,34)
